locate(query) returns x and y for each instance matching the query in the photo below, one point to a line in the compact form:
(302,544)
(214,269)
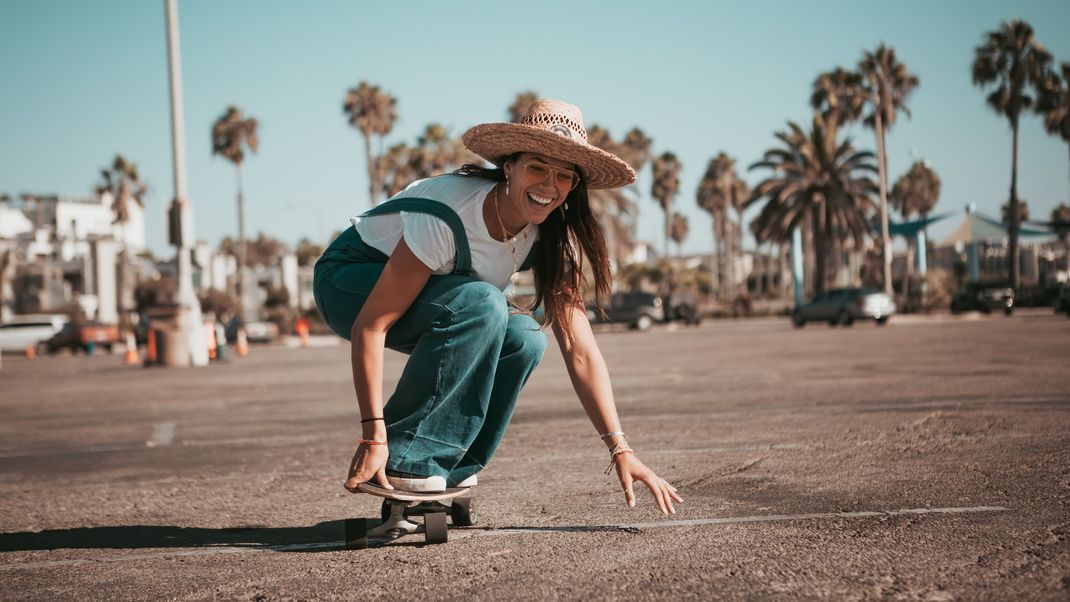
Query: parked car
(638,310)
(29,330)
(983,297)
(83,336)
(844,306)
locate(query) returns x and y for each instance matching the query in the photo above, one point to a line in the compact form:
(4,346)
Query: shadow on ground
(156,536)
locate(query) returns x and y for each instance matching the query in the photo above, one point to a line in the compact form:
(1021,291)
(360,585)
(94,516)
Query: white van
(23,331)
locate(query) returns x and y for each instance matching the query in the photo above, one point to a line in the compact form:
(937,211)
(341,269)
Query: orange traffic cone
(209,335)
(133,358)
(150,348)
(302,328)
(31,351)
(243,343)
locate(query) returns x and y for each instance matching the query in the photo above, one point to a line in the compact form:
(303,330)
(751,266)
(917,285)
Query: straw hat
(555,129)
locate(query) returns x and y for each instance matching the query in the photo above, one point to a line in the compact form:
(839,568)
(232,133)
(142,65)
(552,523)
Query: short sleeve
(431,241)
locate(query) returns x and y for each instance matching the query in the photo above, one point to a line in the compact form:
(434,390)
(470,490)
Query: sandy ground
(926,460)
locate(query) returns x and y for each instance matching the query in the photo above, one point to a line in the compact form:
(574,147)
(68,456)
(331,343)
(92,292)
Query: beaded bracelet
(613,458)
(610,434)
(370,442)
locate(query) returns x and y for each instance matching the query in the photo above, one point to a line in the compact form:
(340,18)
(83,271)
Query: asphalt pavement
(925,460)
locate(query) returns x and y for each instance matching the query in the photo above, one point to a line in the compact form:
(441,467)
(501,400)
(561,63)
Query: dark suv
(638,310)
(978,296)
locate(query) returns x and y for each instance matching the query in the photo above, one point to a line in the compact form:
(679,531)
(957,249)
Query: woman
(424,274)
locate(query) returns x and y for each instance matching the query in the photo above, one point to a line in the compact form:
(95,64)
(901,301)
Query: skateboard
(400,506)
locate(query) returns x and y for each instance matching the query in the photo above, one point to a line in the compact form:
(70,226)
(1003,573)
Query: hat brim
(496,141)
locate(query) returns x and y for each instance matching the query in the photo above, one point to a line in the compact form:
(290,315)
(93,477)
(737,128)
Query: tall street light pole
(190,326)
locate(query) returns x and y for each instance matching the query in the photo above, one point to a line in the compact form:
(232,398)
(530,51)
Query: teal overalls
(469,357)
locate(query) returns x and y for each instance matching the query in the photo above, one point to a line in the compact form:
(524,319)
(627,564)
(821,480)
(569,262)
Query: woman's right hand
(368,462)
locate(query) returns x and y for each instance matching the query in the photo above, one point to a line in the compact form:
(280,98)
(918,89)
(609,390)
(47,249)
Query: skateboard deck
(400,506)
(408,496)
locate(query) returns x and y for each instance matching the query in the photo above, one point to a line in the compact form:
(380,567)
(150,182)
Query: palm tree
(816,183)
(1014,62)
(123,183)
(665,188)
(678,230)
(1006,208)
(521,103)
(915,192)
(840,96)
(719,190)
(373,112)
(1054,103)
(613,208)
(889,84)
(635,148)
(232,133)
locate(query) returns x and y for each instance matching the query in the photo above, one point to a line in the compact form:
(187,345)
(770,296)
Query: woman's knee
(479,301)
(524,337)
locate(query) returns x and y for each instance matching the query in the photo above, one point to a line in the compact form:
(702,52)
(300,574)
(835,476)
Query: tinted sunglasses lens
(567,178)
(538,172)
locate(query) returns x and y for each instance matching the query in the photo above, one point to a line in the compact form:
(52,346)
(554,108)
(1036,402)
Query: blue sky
(83,81)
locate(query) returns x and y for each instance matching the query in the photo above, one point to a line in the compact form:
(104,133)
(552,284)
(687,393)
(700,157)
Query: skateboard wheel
(356,533)
(461,512)
(435,530)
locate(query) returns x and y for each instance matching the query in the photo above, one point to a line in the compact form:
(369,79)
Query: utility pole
(190,326)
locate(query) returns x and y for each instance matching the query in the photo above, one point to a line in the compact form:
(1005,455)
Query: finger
(655,490)
(383,482)
(629,493)
(675,496)
(667,496)
(361,476)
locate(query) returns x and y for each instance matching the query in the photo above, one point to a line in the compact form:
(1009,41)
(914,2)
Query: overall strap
(444,212)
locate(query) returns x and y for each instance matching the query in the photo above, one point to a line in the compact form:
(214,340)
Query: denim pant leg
(522,351)
(453,333)
(444,394)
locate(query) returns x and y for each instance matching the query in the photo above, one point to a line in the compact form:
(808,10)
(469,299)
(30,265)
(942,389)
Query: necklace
(510,238)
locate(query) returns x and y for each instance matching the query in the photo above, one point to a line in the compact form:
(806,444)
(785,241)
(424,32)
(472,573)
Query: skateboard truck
(399,506)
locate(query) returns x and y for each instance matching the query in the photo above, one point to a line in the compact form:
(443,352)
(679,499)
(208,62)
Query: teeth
(540,200)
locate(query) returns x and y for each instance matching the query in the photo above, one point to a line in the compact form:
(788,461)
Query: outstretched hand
(630,470)
(369,462)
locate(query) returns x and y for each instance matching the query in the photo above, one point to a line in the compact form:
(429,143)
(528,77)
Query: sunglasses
(536,172)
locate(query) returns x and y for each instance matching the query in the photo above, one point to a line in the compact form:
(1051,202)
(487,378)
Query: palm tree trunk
(886,252)
(668,229)
(715,258)
(1013,234)
(371,170)
(241,246)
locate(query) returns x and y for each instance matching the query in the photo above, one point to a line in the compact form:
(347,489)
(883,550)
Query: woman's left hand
(630,470)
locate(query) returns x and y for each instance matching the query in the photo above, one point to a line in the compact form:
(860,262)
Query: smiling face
(538,185)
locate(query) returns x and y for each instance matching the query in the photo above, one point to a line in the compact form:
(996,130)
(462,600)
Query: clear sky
(82,81)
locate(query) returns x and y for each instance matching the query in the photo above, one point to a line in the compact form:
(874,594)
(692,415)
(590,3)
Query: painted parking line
(163,433)
(505,532)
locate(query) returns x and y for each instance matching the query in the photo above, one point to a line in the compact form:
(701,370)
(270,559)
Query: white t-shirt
(431,240)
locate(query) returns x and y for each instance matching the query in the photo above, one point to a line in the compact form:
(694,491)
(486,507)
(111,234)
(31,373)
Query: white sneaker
(433,484)
(471,481)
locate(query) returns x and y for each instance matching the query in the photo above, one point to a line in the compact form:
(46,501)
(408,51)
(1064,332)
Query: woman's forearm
(367,358)
(590,375)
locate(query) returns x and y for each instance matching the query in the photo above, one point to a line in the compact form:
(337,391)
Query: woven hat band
(557,123)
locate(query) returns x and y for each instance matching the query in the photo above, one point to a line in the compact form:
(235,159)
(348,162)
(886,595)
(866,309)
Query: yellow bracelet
(370,442)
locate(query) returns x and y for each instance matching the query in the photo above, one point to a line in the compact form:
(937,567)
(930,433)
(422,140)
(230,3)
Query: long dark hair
(558,268)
